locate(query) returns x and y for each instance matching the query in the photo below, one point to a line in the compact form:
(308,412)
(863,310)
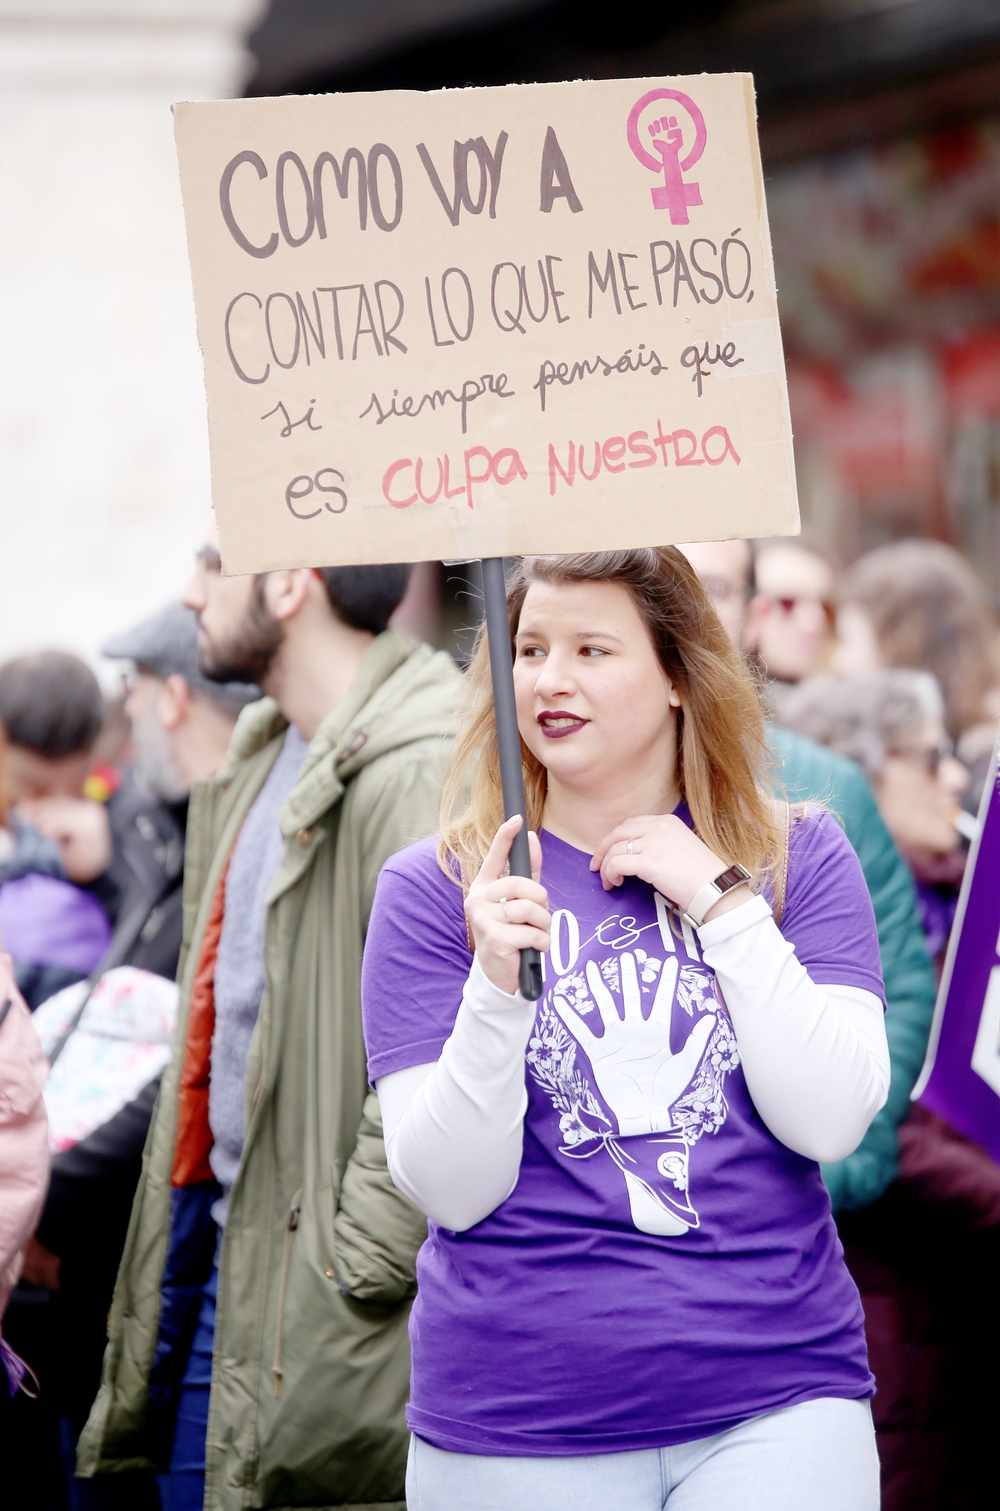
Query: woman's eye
(531,650)
(592,650)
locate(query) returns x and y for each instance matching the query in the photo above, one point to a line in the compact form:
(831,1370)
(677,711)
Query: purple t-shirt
(635,1290)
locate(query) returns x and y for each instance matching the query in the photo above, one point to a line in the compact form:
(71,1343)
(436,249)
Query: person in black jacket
(181,726)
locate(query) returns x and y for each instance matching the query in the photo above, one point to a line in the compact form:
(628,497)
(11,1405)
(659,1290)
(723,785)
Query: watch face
(722,884)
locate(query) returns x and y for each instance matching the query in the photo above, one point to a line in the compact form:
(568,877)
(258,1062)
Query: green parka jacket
(317,1267)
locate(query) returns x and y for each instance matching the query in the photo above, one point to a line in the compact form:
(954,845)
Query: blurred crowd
(93,804)
(893,667)
(882,686)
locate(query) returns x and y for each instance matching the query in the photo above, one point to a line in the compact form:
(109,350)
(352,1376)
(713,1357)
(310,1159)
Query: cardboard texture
(486,322)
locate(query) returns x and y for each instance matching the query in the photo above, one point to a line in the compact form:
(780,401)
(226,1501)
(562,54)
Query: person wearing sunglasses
(790,618)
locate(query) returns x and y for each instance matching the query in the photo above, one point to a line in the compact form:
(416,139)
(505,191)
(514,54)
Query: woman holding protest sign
(632,1295)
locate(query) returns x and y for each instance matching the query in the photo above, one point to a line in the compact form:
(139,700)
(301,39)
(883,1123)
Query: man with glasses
(258,1348)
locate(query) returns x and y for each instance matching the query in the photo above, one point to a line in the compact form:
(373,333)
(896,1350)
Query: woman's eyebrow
(530,634)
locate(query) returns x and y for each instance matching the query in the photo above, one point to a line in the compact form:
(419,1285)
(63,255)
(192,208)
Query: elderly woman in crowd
(893,725)
(925,1256)
(919,603)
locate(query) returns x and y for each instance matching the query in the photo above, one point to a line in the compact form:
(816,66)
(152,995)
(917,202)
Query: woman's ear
(674,699)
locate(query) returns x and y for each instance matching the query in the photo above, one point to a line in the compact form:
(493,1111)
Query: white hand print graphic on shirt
(662,1102)
(636,1073)
(640,1079)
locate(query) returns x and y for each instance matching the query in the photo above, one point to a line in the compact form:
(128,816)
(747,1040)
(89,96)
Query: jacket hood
(401,694)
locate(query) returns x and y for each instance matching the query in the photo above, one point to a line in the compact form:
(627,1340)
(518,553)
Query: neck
(583,817)
(313,670)
(201,743)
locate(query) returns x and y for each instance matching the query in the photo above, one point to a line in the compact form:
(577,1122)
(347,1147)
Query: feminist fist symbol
(636,1073)
(667,141)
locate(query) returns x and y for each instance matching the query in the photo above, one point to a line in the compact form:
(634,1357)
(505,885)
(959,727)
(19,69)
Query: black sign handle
(509,743)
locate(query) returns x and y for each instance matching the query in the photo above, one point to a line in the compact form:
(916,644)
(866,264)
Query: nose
(193,593)
(811,617)
(554,677)
(953,777)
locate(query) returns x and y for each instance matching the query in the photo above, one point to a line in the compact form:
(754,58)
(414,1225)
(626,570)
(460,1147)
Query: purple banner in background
(960,1080)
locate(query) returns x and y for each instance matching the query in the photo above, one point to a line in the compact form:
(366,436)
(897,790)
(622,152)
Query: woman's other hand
(669,856)
(507,914)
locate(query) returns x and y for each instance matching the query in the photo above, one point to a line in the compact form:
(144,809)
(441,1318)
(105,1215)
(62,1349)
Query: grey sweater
(239,968)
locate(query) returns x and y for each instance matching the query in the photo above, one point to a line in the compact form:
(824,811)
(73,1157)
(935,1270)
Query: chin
(566,768)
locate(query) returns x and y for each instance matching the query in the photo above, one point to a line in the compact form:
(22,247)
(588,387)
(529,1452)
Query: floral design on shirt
(573,989)
(551,1055)
(648,965)
(696,990)
(703,1107)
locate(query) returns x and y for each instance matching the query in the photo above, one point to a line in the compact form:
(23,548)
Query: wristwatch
(707,896)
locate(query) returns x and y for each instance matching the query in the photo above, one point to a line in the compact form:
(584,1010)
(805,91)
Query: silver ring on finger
(628,847)
(503,904)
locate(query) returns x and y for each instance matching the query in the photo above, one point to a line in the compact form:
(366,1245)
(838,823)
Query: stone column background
(104,473)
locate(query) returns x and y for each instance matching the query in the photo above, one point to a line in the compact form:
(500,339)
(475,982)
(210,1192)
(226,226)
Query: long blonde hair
(721,750)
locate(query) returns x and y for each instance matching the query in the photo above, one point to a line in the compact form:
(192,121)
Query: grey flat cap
(167,645)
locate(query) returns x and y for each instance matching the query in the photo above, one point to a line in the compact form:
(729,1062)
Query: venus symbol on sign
(669,134)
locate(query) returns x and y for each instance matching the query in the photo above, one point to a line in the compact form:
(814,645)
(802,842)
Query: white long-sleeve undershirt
(815,1058)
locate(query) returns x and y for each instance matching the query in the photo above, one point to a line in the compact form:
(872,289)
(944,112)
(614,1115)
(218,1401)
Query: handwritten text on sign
(486,321)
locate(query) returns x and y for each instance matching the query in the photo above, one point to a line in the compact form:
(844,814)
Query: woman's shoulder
(828,913)
(817,833)
(418,859)
(417,866)
(820,856)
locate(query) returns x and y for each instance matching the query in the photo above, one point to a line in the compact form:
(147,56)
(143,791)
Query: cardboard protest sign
(960,1080)
(486,322)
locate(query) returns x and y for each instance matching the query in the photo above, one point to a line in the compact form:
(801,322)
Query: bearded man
(258,1349)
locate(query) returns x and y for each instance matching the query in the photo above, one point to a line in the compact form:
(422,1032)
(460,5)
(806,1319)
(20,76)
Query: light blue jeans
(819,1456)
